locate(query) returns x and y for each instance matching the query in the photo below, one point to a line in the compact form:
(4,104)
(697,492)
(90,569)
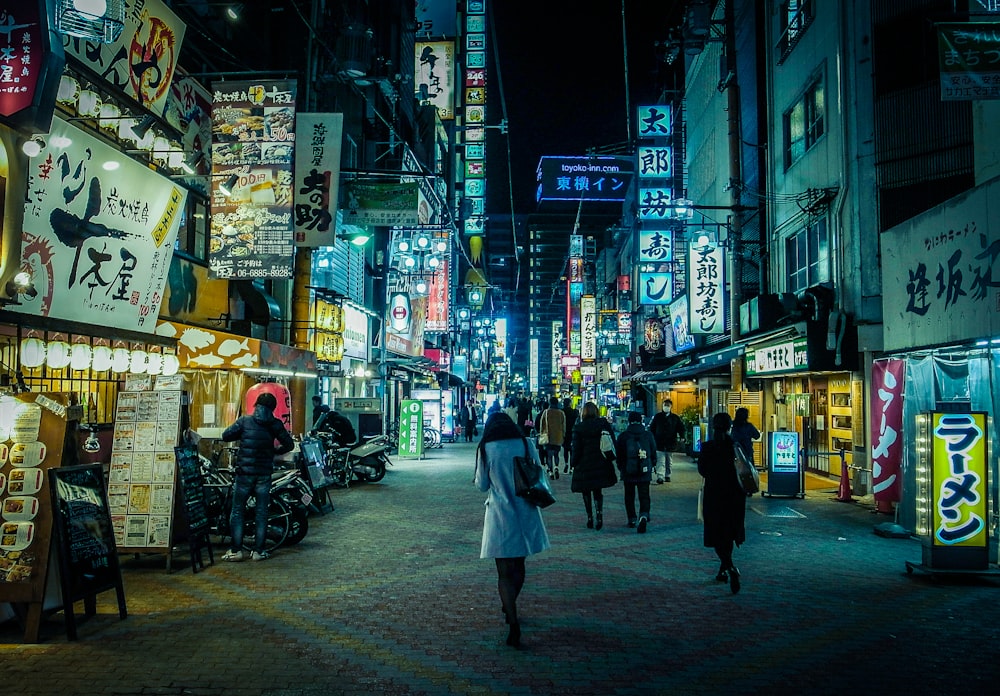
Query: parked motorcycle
(366,461)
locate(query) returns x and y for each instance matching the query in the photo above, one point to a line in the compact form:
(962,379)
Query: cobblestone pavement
(387,595)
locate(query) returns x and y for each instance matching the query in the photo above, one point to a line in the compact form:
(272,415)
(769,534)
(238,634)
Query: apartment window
(807,257)
(192,232)
(795,16)
(804,123)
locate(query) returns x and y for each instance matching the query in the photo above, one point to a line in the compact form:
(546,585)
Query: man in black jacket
(254,464)
(667,428)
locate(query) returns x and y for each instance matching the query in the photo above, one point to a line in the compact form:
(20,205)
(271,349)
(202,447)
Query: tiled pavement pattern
(387,595)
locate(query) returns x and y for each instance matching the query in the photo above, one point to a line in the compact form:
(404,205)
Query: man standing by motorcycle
(254,465)
(340,425)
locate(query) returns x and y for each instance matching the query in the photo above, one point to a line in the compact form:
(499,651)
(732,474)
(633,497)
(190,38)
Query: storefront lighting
(171,364)
(154,363)
(57,354)
(32,352)
(33,147)
(228,185)
(120,359)
(138,362)
(101,358)
(111,165)
(80,356)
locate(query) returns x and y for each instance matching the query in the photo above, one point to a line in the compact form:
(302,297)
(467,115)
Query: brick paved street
(387,595)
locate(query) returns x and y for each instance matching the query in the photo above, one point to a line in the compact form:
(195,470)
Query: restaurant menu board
(192,489)
(29,427)
(32,430)
(253,140)
(83,528)
(141,475)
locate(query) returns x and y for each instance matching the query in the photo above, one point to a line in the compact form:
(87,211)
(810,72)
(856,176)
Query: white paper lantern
(138,362)
(57,355)
(101,358)
(32,352)
(171,364)
(154,363)
(80,356)
(120,360)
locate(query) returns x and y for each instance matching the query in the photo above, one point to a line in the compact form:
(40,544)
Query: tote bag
(530,481)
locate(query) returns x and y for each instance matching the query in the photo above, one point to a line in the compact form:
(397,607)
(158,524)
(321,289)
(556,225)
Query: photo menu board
(141,476)
(32,430)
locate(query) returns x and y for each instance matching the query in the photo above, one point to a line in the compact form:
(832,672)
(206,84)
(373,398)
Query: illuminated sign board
(959,491)
(788,356)
(597,178)
(706,283)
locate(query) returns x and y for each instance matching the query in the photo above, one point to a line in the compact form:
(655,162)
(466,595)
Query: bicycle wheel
(279,524)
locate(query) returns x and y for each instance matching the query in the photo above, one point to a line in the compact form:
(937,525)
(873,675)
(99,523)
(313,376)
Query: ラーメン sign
(959,490)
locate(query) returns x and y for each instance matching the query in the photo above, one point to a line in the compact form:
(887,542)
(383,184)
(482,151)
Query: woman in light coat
(513,527)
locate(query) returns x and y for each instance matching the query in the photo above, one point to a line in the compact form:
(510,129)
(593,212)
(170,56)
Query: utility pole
(732,86)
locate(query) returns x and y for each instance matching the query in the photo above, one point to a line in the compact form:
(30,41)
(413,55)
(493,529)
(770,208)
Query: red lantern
(283,412)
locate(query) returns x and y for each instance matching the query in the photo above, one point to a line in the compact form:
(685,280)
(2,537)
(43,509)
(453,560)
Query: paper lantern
(101,358)
(138,362)
(32,352)
(154,363)
(57,355)
(284,398)
(171,364)
(120,359)
(80,356)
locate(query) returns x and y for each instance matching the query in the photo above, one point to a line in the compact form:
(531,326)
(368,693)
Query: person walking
(572,416)
(635,452)
(744,432)
(552,424)
(667,428)
(724,502)
(513,528)
(319,409)
(524,420)
(254,465)
(511,408)
(469,419)
(592,468)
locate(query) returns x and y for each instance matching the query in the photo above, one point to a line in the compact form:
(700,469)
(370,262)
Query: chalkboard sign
(88,558)
(192,490)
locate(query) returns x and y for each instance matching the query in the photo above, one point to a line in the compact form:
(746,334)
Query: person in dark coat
(667,428)
(724,502)
(744,432)
(524,420)
(572,416)
(592,469)
(254,465)
(513,528)
(636,472)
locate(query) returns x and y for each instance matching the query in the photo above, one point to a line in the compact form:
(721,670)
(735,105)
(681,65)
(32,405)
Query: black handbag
(530,480)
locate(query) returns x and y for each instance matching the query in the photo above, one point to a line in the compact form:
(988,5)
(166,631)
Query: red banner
(887,429)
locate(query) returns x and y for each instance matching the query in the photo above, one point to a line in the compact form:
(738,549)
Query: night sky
(561,79)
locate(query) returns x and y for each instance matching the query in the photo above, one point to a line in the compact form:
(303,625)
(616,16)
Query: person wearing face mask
(667,429)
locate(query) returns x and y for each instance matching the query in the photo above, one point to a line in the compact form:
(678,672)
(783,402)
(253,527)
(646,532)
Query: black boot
(600,518)
(590,522)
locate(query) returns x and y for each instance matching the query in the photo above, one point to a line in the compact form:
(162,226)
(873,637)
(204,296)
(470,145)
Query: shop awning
(705,362)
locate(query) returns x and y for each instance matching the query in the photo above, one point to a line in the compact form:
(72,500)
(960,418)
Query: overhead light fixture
(228,185)
(234,10)
(96,20)
(33,146)
(19,285)
(358,236)
(142,128)
(191,162)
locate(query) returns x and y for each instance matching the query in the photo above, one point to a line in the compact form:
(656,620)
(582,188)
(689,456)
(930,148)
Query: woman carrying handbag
(592,463)
(513,528)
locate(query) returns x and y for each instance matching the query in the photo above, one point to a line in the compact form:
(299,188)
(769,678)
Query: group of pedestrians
(514,528)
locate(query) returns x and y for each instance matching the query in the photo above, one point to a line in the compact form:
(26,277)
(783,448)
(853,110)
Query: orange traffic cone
(844,492)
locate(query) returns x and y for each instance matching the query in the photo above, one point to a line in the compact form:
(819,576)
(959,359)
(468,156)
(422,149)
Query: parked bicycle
(218,486)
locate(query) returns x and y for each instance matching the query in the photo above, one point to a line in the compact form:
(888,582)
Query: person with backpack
(635,453)
(667,428)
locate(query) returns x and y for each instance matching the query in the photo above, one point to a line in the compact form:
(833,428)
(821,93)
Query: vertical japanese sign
(588,328)
(887,429)
(969,60)
(143,61)
(317,177)
(27,57)
(411,428)
(434,66)
(683,340)
(253,137)
(959,490)
(533,364)
(437,299)
(656,246)
(98,243)
(706,289)
(656,288)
